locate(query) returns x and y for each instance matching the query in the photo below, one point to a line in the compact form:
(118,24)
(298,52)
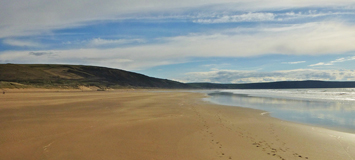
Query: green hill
(73,76)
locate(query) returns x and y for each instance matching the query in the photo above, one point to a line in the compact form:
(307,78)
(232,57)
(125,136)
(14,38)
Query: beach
(142,124)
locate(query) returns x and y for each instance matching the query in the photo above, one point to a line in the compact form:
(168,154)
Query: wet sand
(140,125)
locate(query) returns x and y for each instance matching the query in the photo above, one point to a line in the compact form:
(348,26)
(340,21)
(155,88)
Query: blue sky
(223,41)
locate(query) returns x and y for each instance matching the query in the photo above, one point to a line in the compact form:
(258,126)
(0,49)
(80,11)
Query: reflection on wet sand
(337,115)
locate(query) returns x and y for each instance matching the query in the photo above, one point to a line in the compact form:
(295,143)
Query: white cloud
(298,62)
(228,17)
(310,14)
(339,60)
(21,43)
(112,57)
(113,42)
(235,76)
(249,17)
(319,64)
(40,53)
(43,16)
(305,39)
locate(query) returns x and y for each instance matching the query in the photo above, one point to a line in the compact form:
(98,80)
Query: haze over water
(329,108)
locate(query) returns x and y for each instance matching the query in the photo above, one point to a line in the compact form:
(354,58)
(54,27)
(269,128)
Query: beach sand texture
(142,125)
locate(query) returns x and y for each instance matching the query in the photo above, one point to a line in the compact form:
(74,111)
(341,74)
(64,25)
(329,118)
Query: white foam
(339,94)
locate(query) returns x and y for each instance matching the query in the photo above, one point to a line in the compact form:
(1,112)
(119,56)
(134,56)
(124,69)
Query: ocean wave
(338,94)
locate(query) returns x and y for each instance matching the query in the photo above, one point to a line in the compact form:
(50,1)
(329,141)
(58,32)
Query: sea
(329,108)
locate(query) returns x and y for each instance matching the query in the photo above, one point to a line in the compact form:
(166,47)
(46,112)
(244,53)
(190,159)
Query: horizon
(188,41)
(309,80)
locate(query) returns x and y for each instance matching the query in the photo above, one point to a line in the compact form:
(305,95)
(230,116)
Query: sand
(142,125)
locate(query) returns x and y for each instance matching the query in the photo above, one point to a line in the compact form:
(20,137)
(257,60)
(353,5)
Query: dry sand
(144,125)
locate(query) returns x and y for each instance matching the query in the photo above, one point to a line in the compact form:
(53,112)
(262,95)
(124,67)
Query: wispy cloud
(235,76)
(339,60)
(249,17)
(42,17)
(304,39)
(40,53)
(320,64)
(110,57)
(21,43)
(298,62)
(311,14)
(113,42)
(226,17)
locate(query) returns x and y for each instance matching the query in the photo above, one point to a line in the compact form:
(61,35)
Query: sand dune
(137,125)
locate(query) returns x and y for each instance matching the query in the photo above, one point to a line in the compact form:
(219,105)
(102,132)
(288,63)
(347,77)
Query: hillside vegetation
(73,76)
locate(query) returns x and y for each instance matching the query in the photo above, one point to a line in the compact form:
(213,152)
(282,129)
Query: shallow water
(329,108)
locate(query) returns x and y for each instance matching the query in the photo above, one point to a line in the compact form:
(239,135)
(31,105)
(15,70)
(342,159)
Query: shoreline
(294,111)
(137,124)
(268,113)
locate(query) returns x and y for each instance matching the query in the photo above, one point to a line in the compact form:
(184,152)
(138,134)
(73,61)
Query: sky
(219,41)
